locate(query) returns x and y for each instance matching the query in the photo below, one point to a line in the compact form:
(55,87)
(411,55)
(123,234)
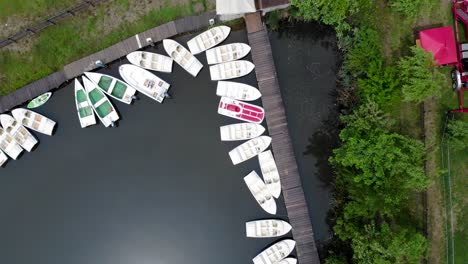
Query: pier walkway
(294,198)
(114,52)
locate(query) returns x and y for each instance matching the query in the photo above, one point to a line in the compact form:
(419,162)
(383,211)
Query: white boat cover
(230,7)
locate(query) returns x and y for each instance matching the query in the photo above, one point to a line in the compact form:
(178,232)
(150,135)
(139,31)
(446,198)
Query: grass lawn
(82,35)
(398,36)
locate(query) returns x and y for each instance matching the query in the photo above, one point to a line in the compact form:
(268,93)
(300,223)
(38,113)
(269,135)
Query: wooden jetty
(121,49)
(294,198)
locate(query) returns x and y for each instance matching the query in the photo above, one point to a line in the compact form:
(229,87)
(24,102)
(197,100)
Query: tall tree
(420,76)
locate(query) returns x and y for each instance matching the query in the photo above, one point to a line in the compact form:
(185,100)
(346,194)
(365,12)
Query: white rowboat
(288,261)
(34,121)
(275,253)
(208,39)
(19,133)
(150,61)
(270,172)
(225,53)
(230,70)
(238,91)
(3,158)
(260,192)
(100,103)
(112,86)
(144,81)
(267,228)
(183,57)
(241,131)
(83,106)
(9,145)
(249,149)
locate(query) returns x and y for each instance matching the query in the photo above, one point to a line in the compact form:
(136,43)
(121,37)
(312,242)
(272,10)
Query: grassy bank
(85,34)
(28,8)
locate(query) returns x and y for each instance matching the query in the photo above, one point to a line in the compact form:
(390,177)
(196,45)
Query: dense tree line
(377,169)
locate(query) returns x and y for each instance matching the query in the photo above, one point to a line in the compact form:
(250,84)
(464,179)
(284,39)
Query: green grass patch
(75,38)
(32,8)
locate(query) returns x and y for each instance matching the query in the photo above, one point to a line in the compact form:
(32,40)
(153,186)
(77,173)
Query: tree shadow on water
(321,146)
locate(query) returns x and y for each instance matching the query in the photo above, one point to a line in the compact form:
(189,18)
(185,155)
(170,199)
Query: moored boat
(3,158)
(270,172)
(267,228)
(241,110)
(112,86)
(260,192)
(241,131)
(275,253)
(238,91)
(231,70)
(19,133)
(208,39)
(100,103)
(40,100)
(34,121)
(150,61)
(144,82)
(249,149)
(226,53)
(182,56)
(83,106)
(9,145)
(288,261)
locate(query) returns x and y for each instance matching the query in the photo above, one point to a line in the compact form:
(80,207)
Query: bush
(410,8)
(381,84)
(365,48)
(457,134)
(420,76)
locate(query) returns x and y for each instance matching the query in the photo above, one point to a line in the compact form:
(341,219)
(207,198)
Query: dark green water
(160,188)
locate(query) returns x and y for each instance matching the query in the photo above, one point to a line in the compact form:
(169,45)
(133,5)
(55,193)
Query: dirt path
(434,210)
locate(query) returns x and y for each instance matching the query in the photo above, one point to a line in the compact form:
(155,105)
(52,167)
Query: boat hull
(3,158)
(267,228)
(144,82)
(113,87)
(241,131)
(103,108)
(84,109)
(227,53)
(259,191)
(150,61)
(208,39)
(238,91)
(40,100)
(34,121)
(21,135)
(276,252)
(241,110)
(182,57)
(270,172)
(249,149)
(9,145)
(231,70)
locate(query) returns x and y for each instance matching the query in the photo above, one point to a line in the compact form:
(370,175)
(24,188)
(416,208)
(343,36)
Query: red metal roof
(441,43)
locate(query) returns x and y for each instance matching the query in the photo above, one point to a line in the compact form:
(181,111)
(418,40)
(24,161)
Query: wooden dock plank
(283,152)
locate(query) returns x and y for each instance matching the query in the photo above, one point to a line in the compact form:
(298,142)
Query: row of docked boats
(14,137)
(232,104)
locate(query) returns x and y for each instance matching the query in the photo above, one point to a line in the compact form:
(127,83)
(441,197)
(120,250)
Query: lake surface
(160,188)
(306,59)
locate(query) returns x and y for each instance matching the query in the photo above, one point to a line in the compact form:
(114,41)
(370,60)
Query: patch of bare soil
(435,219)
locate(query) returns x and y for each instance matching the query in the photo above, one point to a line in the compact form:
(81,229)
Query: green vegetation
(382,164)
(32,8)
(420,76)
(77,37)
